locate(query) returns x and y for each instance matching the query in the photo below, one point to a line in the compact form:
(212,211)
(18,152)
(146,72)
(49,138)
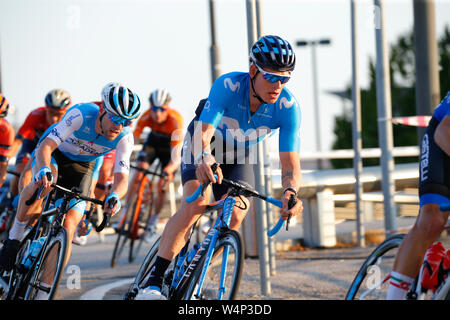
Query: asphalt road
(311,274)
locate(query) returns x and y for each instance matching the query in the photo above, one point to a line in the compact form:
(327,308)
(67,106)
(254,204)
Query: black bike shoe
(8,254)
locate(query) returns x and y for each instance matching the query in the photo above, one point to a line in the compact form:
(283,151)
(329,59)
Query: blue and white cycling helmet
(121,101)
(273,52)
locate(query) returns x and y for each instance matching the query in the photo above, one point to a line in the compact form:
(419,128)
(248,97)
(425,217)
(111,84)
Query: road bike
(43,250)
(372,280)
(135,222)
(212,269)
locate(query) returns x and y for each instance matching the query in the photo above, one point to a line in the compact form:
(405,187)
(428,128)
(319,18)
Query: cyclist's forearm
(291,179)
(15,146)
(203,133)
(175,158)
(120,185)
(3,168)
(44,153)
(291,176)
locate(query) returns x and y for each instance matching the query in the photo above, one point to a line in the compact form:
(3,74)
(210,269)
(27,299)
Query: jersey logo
(284,102)
(71,118)
(232,86)
(207,106)
(55,133)
(123,164)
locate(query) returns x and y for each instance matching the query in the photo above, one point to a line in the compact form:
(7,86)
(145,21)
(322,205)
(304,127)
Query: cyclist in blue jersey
(434,190)
(71,148)
(241,110)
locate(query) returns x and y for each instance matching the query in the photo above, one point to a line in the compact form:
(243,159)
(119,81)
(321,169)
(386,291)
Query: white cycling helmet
(121,101)
(58,99)
(159,98)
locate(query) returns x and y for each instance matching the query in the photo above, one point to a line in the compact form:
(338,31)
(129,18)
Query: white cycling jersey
(77,139)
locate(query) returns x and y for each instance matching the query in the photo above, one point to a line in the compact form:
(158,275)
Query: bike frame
(207,246)
(145,179)
(140,197)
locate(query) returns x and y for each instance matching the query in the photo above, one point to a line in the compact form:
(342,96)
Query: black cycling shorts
(236,166)
(73,173)
(434,169)
(157,146)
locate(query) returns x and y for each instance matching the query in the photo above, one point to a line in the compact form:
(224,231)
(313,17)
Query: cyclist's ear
(253,70)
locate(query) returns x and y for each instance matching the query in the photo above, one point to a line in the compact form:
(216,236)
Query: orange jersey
(174,122)
(6,139)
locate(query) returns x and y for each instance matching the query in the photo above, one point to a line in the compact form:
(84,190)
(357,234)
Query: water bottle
(33,251)
(433,259)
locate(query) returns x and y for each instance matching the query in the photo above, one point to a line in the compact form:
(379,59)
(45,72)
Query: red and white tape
(416,121)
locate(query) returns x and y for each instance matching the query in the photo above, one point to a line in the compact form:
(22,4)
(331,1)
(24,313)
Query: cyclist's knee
(431,221)
(191,210)
(239,212)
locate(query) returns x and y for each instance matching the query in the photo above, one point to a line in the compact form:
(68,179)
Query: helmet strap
(100,119)
(256,95)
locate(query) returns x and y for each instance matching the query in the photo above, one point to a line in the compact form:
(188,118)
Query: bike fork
(208,257)
(223,272)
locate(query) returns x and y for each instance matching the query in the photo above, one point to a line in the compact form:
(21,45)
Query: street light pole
(313,44)
(384,111)
(357,127)
(214,52)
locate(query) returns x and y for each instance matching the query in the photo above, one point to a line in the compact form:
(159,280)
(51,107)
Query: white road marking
(98,293)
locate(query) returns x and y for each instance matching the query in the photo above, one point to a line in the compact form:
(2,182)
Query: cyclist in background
(72,148)
(6,138)
(242,109)
(57,101)
(434,190)
(163,143)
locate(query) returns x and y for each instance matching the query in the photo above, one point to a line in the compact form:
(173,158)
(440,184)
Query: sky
(80,45)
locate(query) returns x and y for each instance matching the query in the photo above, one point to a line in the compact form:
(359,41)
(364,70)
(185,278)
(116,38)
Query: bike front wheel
(223,275)
(144,272)
(372,280)
(122,238)
(49,269)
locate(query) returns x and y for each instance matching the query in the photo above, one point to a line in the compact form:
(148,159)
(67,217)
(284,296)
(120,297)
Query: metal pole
(316,101)
(357,140)
(267,170)
(261,218)
(385,137)
(426,49)
(214,50)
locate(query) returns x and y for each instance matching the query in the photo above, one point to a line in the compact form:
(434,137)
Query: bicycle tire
(122,237)
(230,240)
(376,290)
(144,271)
(19,274)
(59,243)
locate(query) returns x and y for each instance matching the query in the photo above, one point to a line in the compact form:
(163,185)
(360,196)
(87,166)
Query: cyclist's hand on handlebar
(167,175)
(44,177)
(204,172)
(112,204)
(294,211)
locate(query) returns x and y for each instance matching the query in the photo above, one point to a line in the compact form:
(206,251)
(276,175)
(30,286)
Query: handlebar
(248,192)
(13,172)
(162,175)
(75,194)
(37,193)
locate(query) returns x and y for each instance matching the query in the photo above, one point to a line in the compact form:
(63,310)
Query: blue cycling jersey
(78,140)
(228,110)
(443,109)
